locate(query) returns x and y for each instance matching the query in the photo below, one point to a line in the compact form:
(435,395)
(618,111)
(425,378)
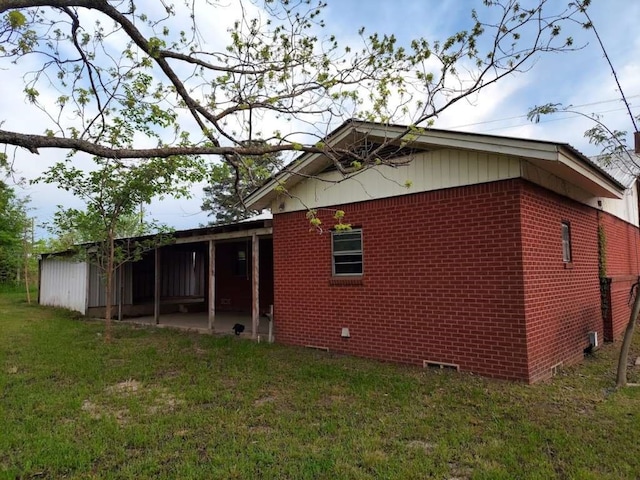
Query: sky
(581,78)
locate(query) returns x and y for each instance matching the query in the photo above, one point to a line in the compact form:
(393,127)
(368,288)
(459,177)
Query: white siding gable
(438,169)
(433,170)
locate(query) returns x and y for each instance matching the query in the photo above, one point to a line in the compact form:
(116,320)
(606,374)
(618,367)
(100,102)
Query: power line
(567,117)
(600,102)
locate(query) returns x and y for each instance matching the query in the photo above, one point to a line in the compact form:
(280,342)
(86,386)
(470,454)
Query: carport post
(212,283)
(156,289)
(120,290)
(255,286)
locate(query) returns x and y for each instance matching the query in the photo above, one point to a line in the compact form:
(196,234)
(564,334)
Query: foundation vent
(317,347)
(440,365)
(555,369)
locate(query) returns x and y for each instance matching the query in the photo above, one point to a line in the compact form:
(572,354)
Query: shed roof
(239,229)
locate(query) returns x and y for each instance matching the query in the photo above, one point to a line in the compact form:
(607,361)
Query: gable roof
(560,159)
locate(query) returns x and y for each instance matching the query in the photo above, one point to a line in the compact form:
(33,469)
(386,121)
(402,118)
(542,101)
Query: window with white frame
(347,252)
(566,242)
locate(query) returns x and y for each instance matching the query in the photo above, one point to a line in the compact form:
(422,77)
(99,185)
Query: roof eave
(561,159)
(602,184)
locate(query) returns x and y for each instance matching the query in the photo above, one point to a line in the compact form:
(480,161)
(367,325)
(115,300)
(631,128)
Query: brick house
(488,262)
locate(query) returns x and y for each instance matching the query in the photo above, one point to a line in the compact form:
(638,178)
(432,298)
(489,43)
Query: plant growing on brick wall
(602,252)
(614,149)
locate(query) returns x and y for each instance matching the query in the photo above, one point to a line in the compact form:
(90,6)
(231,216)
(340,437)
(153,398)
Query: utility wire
(567,117)
(600,102)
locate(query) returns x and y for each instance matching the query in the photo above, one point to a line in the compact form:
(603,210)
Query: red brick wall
(442,281)
(622,261)
(562,300)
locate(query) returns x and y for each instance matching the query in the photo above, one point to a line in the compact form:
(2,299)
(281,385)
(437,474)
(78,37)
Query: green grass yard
(165,404)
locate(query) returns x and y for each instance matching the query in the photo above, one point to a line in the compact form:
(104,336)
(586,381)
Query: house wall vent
(555,369)
(440,365)
(317,347)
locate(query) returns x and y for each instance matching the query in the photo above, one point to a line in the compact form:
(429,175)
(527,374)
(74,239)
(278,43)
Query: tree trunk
(26,279)
(626,341)
(25,248)
(109,289)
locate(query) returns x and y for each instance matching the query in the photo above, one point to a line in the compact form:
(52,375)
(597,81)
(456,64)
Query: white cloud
(577,78)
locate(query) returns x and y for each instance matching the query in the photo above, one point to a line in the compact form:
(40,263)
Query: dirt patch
(459,472)
(92,409)
(128,387)
(155,401)
(261,430)
(421,445)
(331,400)
(164,402)
(96,412)
(264,400)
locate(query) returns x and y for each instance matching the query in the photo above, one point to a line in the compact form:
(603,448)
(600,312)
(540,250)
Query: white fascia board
(469,141)
(591,174)
(528,149)
(541,152)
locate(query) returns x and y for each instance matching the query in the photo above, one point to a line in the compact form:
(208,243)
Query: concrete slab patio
(222,325)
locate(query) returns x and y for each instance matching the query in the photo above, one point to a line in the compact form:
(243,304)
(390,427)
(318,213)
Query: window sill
(346,281)
(568,265)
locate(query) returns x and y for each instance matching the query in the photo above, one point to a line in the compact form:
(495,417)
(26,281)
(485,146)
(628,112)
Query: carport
(206,279)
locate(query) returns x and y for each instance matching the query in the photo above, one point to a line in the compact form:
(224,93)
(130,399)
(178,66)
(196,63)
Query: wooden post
(156,289)
(255,285)
(120,290)
(212,283)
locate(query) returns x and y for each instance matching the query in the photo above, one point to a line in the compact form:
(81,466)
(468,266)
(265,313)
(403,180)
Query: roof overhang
(585,175)
(559,159)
